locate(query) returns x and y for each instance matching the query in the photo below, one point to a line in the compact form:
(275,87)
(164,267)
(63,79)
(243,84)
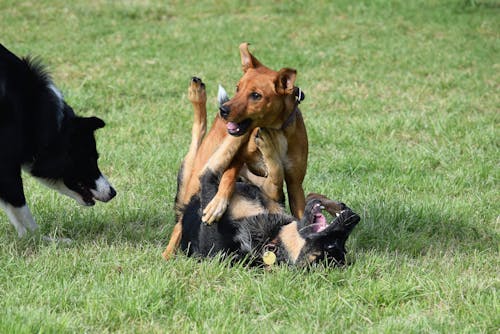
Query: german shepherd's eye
(255,96)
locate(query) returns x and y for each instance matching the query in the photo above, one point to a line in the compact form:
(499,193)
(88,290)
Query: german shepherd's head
(313,239)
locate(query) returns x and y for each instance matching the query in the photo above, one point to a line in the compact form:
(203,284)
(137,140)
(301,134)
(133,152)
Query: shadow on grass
(399,227)
(414,230)
(138,228)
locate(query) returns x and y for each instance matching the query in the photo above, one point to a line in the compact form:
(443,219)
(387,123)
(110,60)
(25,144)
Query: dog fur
(264,98)
(255,222)
(40,133)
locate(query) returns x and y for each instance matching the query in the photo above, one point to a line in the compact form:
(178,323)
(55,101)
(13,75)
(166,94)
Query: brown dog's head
(264,98)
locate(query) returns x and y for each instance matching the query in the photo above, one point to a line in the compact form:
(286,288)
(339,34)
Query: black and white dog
(40,134)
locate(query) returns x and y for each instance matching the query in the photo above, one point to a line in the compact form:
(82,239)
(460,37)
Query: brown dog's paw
(196,91)
(215,209)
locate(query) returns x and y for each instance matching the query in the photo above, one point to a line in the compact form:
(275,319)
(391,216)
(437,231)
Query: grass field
(403,111)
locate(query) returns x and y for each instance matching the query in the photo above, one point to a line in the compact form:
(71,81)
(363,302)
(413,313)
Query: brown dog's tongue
(231,126)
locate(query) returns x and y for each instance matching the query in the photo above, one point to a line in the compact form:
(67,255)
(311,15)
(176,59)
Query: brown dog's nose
(224,111)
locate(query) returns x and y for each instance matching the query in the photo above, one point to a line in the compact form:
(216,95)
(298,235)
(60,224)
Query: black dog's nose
(196,79)
(112,192)
(224,111)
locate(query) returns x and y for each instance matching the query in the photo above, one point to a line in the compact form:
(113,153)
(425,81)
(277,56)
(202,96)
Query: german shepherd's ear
(222,96)
(90,123)
(247,59)
(285,81)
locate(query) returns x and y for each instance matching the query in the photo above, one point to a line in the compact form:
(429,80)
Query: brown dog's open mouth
(238,129)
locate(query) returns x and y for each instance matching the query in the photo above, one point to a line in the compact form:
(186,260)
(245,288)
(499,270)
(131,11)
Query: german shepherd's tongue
(319,222)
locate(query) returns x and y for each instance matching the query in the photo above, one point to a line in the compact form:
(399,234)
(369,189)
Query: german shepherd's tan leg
(198,97)
(175,240)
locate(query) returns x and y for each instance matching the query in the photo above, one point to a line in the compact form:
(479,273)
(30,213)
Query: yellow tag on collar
(269,258)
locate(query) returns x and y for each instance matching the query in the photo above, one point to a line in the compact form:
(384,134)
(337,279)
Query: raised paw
(270,141)
(215,209)
(263,140)
(347,218)
(196,91)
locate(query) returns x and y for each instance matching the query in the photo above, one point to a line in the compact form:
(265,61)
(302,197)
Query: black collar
(299,96)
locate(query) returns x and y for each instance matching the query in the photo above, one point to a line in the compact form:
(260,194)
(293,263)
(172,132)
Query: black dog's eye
(255,96)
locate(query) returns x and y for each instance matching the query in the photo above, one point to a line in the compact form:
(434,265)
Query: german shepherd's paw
(270,142)
(196,91)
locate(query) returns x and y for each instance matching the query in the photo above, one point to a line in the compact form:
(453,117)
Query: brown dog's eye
(255,96)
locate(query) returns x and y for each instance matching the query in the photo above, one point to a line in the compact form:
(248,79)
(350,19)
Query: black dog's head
(82,174)
(69,163)
(313,239)
(54,144)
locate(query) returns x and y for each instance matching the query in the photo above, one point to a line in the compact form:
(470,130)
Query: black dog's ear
(89,123)
(95,123)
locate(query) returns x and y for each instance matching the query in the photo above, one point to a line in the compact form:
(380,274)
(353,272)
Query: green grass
(403,111)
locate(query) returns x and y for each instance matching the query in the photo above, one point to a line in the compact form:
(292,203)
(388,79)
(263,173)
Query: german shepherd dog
(255,226)
(264,98)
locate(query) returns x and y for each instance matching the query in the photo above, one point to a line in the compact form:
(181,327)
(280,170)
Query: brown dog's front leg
(222,162)
(218,205)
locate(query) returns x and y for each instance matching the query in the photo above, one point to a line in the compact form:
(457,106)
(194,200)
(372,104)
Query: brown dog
(264,98)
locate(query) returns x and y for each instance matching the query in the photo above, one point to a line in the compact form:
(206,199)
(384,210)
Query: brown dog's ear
(247,59)
(285,81)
